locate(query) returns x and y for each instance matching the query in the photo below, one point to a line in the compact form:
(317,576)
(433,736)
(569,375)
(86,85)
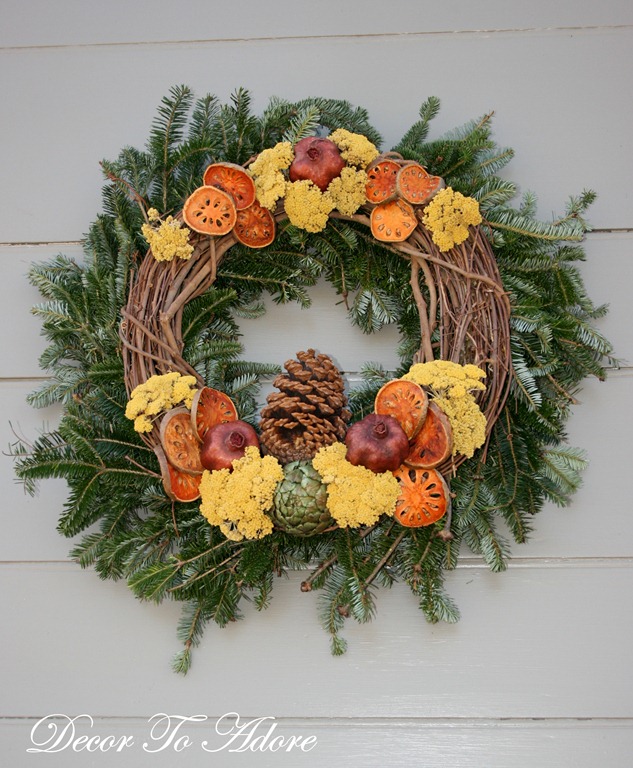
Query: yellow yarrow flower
(159,393)
(266,169)
(169,241)
(355,148)
(347,191)
(355,495)
(448,216)
(452,385)
(307,207)
(237,501)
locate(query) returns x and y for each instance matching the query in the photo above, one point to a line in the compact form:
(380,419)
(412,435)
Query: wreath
(183,483)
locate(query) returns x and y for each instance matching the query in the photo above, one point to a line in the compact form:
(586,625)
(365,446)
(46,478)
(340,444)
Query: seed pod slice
(381,180)
(393,222)
(415,185)
(434,442)
(180,442)
(424,497)
(210,407)
(179,486)
(210,211)
(406,401)
(255,226)
(232,178)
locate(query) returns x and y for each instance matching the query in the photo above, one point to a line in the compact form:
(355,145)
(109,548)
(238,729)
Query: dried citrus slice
(381,180)
(179,486)
(211,407)
(210,211)
(179,441)
(393,222)
(406,401)
(231,178)
(415,185)
(255,226)
(434,442)
(424,497)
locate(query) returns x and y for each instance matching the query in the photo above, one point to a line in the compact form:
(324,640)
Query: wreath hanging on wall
(183,484)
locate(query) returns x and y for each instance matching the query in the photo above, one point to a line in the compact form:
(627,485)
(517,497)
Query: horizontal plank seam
(79,243)
(473,563)
(398,721)
(303,38)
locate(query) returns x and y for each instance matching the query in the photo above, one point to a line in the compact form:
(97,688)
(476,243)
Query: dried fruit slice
(255,226)
(211,407)
(231,178)
(424,497)
(179,441)
(434,442)
(381,180)
(406,401)
(393,222)
(210,211)
(179,486)
(415,185)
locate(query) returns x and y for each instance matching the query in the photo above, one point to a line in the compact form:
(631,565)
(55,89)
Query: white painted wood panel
(540,669)
(97,99)
(39,22)
(546,642)
(400,743)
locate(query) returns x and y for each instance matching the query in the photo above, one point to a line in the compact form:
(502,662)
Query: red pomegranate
(318,160)
(226,442)
(377,442)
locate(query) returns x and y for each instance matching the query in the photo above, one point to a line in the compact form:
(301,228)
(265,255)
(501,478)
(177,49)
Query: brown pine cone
(308,412)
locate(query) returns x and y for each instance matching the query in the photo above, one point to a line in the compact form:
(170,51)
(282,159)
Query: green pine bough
(129,529)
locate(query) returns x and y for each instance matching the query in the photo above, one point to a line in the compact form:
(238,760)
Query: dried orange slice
(381,180)
(434,442)
(231,178)
(255,226)
(179,441)
(179,486)
(424,497)
(393,222)
(210,407)
(406,401)
(415,185)
(210,211)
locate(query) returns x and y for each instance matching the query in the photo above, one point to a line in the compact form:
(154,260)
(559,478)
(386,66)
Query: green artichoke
(300,503)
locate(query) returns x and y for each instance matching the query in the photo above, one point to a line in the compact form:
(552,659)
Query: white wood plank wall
(539,672)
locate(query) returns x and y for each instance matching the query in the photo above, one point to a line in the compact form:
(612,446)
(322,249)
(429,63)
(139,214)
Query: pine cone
(309,410)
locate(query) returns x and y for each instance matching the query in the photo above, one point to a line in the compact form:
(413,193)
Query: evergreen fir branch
(303,124)
(191,626)
(510,221)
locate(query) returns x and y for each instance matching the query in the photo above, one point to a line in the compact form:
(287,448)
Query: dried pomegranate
(223,443)
(377,442)
(317,160)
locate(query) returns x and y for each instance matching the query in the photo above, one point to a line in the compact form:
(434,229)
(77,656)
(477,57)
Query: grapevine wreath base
(185,485)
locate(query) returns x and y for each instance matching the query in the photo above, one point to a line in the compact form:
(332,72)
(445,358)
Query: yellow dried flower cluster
(307,207)
(448,216)
(355,148)
(237,501)
(347,191)
(157,394)
(355,495)
(266,169)
(169,239)
(451,385)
